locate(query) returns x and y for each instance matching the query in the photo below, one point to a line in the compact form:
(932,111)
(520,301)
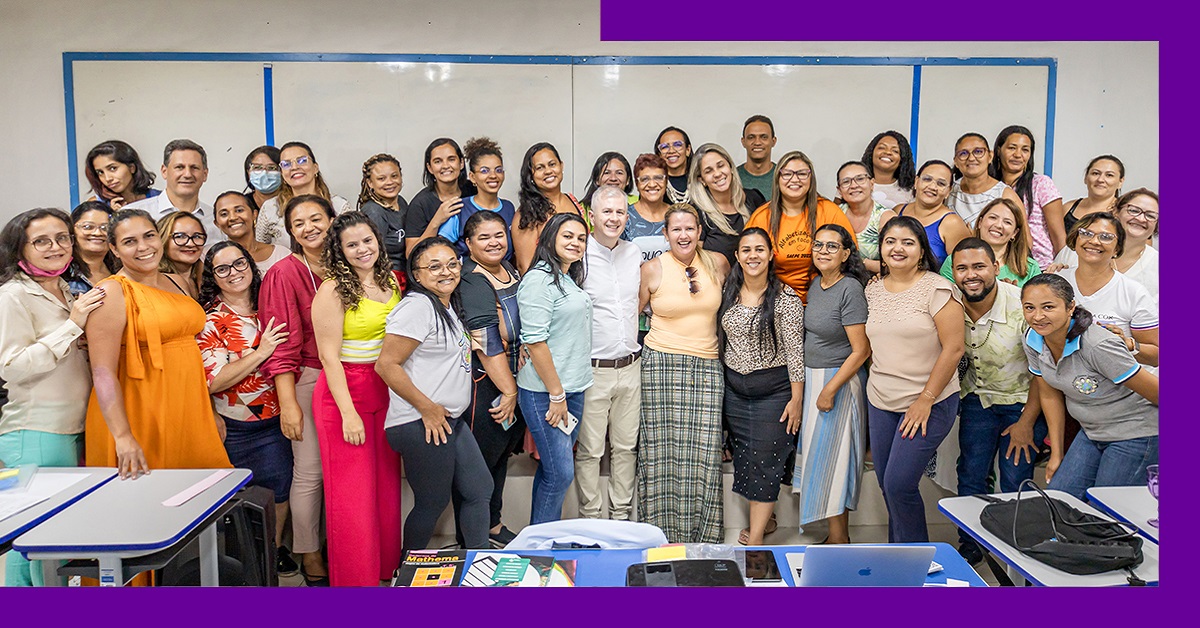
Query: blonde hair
(1016,254)
(165,226)
(706,259)
(702,198)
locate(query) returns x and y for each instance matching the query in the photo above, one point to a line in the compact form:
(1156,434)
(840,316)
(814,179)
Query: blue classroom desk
(606,568)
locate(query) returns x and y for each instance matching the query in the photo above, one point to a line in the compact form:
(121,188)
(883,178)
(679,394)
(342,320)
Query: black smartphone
(761,566)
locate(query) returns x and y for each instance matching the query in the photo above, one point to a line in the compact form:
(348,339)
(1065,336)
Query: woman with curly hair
(889,161)
(234,344)
(380,199)
(485,169)
(541,197)
(362,474)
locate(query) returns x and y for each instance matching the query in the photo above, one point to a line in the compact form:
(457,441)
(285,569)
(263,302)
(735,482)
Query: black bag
(1051,531)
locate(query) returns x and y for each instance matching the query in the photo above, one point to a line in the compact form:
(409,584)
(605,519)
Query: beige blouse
(46,374)
(742,349)
(904,341)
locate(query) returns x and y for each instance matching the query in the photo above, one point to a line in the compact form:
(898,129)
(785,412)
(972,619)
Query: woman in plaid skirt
(679,457)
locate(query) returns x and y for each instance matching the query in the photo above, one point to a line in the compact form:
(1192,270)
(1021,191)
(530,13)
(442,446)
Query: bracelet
(926,393)
(509,395)
(558,398)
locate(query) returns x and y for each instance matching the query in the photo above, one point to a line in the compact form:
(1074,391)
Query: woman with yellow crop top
(361,472)
(679,458)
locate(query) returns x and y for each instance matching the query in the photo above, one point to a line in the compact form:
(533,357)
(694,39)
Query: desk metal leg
(1014,575)
(110,572)
(50,577)
(208,557)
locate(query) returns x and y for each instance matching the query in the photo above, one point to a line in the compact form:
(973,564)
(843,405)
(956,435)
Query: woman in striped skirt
(679,457)
(833,435)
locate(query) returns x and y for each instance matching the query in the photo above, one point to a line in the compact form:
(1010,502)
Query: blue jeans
(1091,463)
(980,442)
(900,463)
(556,462)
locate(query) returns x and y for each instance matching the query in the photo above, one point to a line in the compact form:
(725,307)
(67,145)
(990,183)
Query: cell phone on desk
(568,424)
(761,566)
(506,423)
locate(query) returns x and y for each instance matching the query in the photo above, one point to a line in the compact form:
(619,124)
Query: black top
(718,241)
(479,304)
(391,224)
(1069,218)
(420,212)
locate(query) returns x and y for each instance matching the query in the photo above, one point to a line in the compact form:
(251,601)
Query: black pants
(495,443)
(434,472)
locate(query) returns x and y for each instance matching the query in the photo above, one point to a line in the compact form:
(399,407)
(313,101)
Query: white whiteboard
(982,99)
(147,104)
(349,110)
(829,113)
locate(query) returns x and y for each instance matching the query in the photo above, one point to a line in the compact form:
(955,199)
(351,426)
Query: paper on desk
(950,582)
(183,496)
(42,487)
(676,551)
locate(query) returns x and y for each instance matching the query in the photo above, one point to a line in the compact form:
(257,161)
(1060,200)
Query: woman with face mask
(263,178)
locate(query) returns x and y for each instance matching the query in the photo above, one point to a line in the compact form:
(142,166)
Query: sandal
(772,525)
(314,581)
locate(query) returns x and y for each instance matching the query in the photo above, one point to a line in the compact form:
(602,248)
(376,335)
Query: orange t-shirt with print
(793,246)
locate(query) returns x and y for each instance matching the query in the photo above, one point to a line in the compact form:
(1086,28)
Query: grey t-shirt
(440,366)
(1090,375)
(828,313)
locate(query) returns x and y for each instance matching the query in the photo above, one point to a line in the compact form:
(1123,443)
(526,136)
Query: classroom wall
(1107,98)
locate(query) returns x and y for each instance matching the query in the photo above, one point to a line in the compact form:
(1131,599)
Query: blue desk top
(606,568)
(27,519)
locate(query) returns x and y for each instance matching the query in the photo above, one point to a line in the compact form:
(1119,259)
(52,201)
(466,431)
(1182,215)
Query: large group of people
(683,309)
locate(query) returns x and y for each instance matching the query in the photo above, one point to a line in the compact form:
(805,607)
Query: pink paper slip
(186,494)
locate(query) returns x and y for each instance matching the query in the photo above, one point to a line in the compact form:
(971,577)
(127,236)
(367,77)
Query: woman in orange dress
(149,407)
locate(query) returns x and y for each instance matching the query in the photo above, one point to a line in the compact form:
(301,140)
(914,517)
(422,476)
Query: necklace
(311,274)
(675,195)
(496,279)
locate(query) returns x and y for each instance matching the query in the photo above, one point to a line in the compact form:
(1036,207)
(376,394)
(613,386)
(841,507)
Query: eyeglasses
(300,161)
(485,171)
(264,168)
(657,178)
(434,269)
(182,239)
(1138,212)
(860,181)
(1105,237)
(240,264)
(832,247)
(941,183)
(677,145)
(89,227)
(788,175)
(44,244)
(693,285)
(976,152)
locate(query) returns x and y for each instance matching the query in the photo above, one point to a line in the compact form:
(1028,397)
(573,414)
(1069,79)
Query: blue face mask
(266,181)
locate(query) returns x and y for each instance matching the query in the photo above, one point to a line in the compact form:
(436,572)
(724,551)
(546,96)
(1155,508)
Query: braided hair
(367,193)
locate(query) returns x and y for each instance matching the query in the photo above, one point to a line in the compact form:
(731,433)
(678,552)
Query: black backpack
(1059,535)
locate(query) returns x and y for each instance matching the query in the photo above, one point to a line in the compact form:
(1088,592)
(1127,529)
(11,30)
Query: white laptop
(865,565)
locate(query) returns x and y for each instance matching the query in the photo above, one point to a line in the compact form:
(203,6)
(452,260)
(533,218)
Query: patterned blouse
(742,349)
(227,337)
(868,238)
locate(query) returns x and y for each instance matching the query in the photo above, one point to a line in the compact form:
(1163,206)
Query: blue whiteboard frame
(270,58)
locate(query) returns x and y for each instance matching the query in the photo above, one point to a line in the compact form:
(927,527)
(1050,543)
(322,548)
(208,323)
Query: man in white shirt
(185,169)
(613,404)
